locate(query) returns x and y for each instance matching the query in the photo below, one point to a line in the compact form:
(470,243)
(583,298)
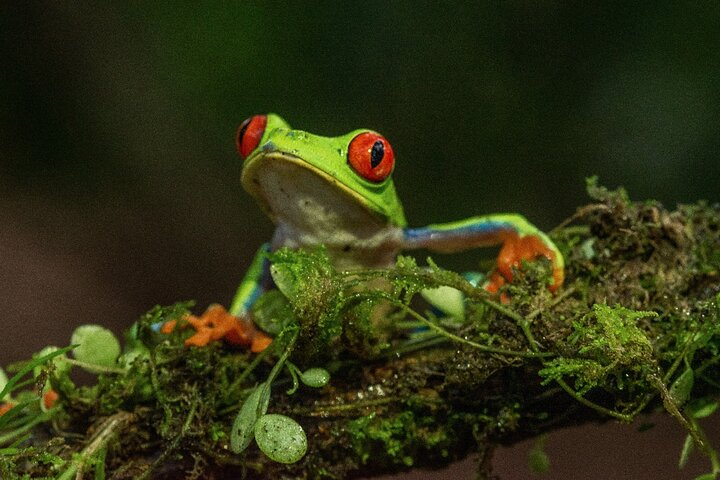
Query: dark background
(119,184)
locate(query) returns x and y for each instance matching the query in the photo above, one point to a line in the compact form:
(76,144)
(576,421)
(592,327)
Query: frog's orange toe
(210,326)
(168,327)
(495,282)
(558,279)
(200,339)
(493,286)
(260,342)
(217,323)
(515,249)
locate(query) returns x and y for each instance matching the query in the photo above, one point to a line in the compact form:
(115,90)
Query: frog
(338,192)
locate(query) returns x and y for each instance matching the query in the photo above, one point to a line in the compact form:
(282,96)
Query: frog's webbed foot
(517,248)
(217,324)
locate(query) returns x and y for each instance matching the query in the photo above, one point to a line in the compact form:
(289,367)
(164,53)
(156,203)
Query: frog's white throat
(311,208)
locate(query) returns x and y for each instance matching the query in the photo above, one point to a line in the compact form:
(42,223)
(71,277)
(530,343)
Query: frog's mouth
(292,191)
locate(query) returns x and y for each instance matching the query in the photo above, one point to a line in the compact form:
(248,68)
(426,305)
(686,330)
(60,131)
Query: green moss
(396,440)
(607,348)
(314,291)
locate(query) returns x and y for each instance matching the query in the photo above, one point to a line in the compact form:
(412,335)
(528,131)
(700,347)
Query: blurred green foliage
(507,103)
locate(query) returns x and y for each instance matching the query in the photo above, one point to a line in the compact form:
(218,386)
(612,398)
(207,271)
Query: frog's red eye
(371,156)
(249,134)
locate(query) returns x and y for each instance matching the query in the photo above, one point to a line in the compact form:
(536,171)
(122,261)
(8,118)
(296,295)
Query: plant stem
(248,370)
(93,367)
(40,418)
(484,348)
(590,404)
(521,321)
(673,409)
(109,429)
(324,410)
(175,442)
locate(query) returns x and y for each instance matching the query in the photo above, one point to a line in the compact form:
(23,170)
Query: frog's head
(318,182)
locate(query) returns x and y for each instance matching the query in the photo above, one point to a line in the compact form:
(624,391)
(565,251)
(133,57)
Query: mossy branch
(635,328)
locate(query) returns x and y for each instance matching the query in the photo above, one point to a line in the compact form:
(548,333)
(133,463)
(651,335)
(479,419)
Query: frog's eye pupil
(377,153)
(371,156)
(249,134)
(242,129)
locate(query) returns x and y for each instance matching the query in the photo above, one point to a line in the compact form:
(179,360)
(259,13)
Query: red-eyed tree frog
(338,192)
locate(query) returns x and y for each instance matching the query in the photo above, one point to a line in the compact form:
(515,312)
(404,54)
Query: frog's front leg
(253,284)
(519,238)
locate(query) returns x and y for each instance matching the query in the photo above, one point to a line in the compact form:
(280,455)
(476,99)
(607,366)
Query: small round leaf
(96,345)
(281,438)
(243,427)
(272,312)
(61,366)
(315,377)
(284,279)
